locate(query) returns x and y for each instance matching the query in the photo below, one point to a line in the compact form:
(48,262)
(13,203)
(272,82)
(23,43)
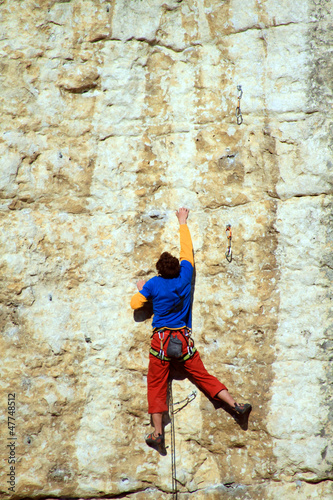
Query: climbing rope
(239,115)
(173,445)
(228,253)
(172,413)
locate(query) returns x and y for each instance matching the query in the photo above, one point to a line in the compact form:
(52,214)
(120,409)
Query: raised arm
(186,253)
(186,247)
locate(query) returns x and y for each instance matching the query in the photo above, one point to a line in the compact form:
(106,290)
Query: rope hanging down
(228,253)
(172,412)
(239,115)
(173,445)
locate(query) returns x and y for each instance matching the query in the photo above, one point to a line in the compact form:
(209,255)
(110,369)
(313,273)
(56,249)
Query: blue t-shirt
(171,298)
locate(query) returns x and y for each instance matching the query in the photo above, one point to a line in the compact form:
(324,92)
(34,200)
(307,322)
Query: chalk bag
(175,346)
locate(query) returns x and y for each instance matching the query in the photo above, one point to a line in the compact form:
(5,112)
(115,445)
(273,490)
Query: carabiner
(239,118)
(228,253)
(238,109)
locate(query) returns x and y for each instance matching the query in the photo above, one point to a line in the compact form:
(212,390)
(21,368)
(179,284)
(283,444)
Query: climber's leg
(208,383)
(211,385)
(158,372)
(157,423)
(240,409)
(226,397)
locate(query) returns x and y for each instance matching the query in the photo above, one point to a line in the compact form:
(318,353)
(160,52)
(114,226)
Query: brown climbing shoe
(156,442)
(242,409)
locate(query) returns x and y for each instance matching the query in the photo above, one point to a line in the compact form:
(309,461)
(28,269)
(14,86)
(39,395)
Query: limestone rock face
(114,114)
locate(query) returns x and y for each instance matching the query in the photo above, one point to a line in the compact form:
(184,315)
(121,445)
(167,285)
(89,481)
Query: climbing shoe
(242,409)
(156,442)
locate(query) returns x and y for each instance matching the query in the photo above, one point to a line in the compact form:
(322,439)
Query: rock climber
(170,293)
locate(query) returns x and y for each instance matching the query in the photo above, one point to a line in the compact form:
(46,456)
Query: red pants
(158,373)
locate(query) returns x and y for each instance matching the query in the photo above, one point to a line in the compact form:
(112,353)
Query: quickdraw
(184,402)
(239,115)
(228,253)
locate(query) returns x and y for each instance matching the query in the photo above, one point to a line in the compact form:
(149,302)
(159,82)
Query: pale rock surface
(114,113)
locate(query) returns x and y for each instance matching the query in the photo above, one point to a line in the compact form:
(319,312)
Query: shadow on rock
(241,420)
(143,313)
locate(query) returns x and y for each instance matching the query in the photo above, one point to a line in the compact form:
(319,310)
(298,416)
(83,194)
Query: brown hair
(168,266)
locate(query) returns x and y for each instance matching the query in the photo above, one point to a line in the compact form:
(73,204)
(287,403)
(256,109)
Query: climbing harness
(228,253)
(172,413)
(239,115)
(173,353)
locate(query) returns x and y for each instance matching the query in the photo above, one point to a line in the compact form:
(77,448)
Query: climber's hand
(140,284)
(182,215)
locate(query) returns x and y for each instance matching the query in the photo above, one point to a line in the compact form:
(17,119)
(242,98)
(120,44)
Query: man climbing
(170,293)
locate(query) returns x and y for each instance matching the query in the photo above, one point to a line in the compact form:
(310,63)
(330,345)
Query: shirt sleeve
(138,300)
(186,247)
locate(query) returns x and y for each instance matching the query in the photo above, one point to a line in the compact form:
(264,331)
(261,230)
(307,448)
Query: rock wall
(113,115)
